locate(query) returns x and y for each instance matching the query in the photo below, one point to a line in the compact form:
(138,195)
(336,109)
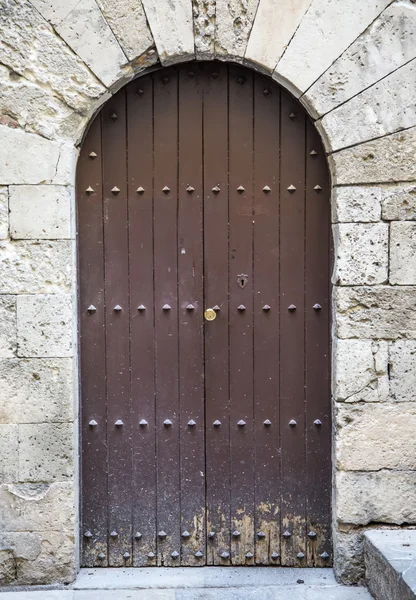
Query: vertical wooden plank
(292,363)
(117,330)
(166,319)
(216,294)
(191,308)
(266,319)
(92,350)
(140,204)
(241,314)
(317,311)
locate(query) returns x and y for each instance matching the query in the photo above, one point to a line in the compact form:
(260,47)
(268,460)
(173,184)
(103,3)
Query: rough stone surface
(26,158)
(378,312)
(36,390)
(35,267)
(55,558)
(42,66)
(8,328)
(234,20)
(382,497)
(389,159)
(349,555)
(402,361)
(30,507)
(45,452)
(128,23)
(8,453)
(8,570)
(323,35)
(376,436)
(361,253)
(381,49)
(403,253)
(44,326)
(40,212)
(172,29)
(36,109)
(360,371)
(387,108)
(273,28)
(204,28)
(86,31)
(356,204)
(400,204)
(4,212)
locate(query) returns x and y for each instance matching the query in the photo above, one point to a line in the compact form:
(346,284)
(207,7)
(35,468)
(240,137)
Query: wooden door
(204,189)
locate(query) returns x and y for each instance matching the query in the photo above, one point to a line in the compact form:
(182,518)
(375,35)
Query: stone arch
(61,62)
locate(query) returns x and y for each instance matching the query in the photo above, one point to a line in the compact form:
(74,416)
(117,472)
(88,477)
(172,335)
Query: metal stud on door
(204,249)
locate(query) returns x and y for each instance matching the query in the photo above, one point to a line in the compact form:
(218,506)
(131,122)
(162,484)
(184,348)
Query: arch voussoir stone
(59,61)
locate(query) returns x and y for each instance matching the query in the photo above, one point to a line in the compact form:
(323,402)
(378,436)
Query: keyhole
(242,280)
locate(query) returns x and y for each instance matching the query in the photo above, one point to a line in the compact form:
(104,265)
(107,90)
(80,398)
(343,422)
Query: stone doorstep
(200,577)
(390,560)
(203,583)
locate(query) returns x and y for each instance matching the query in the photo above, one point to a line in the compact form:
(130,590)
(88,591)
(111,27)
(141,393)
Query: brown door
(205,440)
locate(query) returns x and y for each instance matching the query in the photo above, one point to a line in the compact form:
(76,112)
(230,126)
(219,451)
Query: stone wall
(355,73)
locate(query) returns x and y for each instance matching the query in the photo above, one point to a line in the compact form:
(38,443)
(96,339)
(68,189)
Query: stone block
(8,567)
(26,158)
(171,25)
(379,312)
(36,390)
(234,20)
(44,557)
(322,36)
(55,11)
(384,108)
(386,160)
(402,362)
(45,452)
(356,204)
(273,28)
(360,371)
(44,326)
(399,203)
(31,507)
(35,267)
(403,253)
(371,437)
(390,563)
(381,49)
(40,212)
(382,497)
(361,253)
(204,28)
(36,109)
(86,31)
(128,23)
(8,453)
(8,327)
(43,59)
(4,212)
(349,556)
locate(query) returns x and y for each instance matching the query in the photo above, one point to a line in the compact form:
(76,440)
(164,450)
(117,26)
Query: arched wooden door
(204,187)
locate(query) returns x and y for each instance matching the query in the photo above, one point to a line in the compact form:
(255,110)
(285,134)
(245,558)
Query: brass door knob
(210,314)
